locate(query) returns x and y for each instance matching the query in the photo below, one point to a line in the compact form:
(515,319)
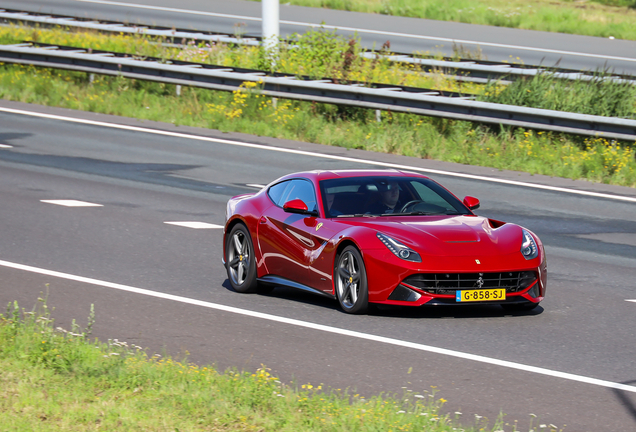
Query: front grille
(448,283)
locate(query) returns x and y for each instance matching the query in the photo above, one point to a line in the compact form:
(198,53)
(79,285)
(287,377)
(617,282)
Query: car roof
(318,175)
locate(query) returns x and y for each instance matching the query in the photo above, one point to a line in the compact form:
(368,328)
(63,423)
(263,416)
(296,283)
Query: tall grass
(598,96)
(55,379)
(602,18)
(624,3)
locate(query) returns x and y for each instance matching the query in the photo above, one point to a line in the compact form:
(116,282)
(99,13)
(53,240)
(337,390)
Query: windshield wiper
(356,215)
(413,213)
(423,213)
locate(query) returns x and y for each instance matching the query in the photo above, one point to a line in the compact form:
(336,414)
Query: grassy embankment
(52,379)
(322,54)
(604,18)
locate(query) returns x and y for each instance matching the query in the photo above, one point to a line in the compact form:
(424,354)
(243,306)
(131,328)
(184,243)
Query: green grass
(247,111)
(602,18)
(54,379)
(598,96)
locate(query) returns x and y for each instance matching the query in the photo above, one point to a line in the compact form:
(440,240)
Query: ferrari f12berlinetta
(379,237)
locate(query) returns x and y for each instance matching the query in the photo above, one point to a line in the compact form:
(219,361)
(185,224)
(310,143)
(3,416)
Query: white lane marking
(254,185)
(169,9)
(196,225)
(5,146)
(631,301)
(359,30)
(71,203)
(317,155)
(325,328)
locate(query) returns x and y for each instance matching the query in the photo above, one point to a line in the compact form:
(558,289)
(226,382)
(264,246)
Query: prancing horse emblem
(318,226)
(477,261)
(480,282)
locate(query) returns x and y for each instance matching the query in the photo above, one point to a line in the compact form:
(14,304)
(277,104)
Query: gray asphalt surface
(405,34)
(585,326)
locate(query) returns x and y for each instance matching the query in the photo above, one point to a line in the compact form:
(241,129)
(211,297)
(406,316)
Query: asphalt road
(143,178)
(405,34)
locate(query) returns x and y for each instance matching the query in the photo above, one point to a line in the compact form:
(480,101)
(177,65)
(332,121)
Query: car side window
(302,190)
(430,196)
(276,192)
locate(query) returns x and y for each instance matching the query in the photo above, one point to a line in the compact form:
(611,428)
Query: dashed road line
(196,225)
(187,224)
(71,203)
(328,329)
(6,146)
(631,301)
(255,185)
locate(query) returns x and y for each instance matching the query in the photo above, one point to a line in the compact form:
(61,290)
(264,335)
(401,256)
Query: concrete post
(271,28)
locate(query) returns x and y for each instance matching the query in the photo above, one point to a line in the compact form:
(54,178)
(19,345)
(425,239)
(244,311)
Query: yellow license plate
(480,295)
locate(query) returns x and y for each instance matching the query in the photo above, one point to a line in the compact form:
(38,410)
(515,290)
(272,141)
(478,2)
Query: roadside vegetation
(62,379)
(603,18)
(322,54)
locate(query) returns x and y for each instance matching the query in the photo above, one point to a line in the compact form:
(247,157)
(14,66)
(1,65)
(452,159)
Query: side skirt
(280,281)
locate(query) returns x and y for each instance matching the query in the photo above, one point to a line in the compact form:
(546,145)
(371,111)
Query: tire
(350,280)
(240,262)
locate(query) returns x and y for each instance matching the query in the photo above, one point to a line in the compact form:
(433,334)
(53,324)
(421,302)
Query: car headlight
(529,248)
(399,249)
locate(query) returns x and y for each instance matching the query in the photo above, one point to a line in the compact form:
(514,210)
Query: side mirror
(471,202)
(299,207)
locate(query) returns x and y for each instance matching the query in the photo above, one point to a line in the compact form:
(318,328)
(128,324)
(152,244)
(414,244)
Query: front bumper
(388,278)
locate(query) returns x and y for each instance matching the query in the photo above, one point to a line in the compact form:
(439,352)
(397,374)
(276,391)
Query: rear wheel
(350,278)
(239,260)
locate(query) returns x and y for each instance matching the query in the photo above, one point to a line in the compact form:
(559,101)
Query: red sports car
(379,237)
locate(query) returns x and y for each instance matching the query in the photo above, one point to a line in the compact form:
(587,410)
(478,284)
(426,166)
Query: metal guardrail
(397,99)
(13,16)
(462,69)
(245,71)
(482,71)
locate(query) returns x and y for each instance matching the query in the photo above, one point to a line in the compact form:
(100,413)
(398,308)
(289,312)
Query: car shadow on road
(627,400)
(460,311)
(421,312)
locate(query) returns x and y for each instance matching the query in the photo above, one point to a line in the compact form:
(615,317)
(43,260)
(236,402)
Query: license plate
(480,295)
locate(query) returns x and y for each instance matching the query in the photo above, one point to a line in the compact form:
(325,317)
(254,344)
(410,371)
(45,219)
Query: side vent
(494,223)
(402,293)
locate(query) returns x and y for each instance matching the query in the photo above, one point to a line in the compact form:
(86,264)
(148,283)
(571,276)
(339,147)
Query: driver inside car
(389,196)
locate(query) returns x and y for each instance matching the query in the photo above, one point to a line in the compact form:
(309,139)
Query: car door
(290,242)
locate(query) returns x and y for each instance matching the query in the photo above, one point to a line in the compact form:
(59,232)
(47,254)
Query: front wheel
(239,260)
(350,278)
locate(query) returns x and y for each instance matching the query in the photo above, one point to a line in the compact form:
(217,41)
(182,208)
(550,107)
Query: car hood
(450,235)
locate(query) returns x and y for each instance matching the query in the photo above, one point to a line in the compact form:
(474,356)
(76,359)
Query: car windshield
(387,195)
